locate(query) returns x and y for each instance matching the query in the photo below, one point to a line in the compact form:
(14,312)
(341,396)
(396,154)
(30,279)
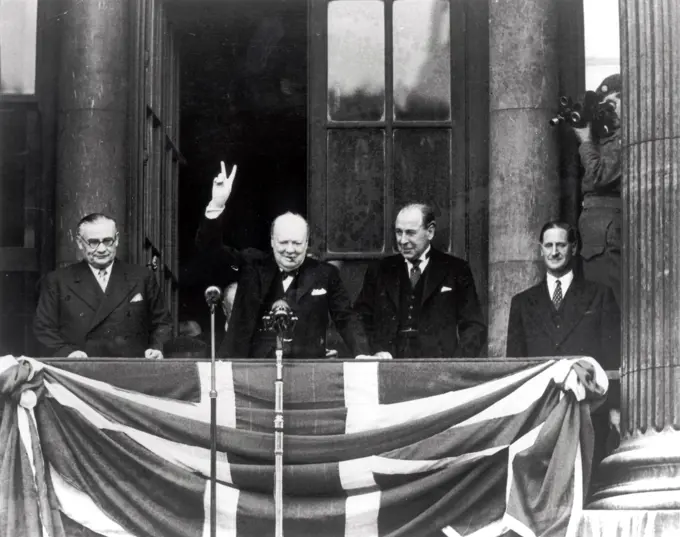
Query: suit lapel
(306,280)
(434,274)
(576,302)
(268,271)
(84,285)
(117,290)
(393,278)
(540,309)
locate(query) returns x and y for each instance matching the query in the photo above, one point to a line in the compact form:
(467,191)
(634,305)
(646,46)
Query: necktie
(557,295)
(414,273)
(101,276)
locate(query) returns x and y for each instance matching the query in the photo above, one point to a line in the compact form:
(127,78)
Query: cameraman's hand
(221,189)
(583,134)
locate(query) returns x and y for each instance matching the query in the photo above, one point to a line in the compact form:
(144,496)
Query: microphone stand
(282,320)
(278,437)
(212,295)
(213,429)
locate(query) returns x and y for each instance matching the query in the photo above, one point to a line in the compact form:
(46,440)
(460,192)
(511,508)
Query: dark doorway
(243,100)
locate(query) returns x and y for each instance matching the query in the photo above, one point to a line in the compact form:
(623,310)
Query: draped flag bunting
(372,449)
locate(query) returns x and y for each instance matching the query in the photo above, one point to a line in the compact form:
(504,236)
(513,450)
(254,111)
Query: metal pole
(278,439)
(213,429)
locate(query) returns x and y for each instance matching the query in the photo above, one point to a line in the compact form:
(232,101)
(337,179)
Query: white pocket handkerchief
(318,292)
(137,298)
(445,289)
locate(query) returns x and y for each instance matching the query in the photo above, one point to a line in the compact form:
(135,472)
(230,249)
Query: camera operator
(600,219)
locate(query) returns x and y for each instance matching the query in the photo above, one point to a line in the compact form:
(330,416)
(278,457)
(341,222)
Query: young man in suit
(567,315)
(312,289)
(101,306)
(420,303)
(564,314)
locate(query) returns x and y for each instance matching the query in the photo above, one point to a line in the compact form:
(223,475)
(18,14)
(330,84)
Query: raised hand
(222,185)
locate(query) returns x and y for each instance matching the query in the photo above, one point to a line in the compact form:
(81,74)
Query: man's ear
(430,231)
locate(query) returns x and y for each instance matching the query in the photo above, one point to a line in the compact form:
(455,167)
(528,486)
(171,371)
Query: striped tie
(557,295)
(101,276)
(414,273)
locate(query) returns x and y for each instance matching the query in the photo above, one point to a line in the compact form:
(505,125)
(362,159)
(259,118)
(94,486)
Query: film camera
(601,116)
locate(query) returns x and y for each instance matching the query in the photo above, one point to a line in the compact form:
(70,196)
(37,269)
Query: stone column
(644,473)
(92,154)
(524,157)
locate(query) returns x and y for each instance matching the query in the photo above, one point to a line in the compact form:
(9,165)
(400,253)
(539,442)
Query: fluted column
(524,158)
(92,153)
(644,473)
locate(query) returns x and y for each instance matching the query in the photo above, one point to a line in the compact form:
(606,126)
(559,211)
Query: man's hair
(426,210)
(93,218)
(289,213)
(572,235)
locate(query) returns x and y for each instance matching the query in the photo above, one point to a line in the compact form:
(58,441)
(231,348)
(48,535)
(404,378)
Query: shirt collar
(565,281)
(290,273)
(424,258)
(106,270)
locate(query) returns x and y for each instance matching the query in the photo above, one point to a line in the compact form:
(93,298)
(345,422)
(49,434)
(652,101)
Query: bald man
(313,289)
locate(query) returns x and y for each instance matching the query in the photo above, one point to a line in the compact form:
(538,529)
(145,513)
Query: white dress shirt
(564,280)
(102,278)
(287,280)
(424,260)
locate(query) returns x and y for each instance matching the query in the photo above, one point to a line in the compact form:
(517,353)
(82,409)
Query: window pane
(601,28)
(422,173)
(356,60)
(13,153)
(422,60)
(18,20)
(355,195)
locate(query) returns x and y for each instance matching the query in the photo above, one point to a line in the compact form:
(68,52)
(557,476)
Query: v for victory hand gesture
(222,185)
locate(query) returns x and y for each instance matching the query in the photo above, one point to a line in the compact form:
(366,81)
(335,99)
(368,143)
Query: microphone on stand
(280,319)
(213,294)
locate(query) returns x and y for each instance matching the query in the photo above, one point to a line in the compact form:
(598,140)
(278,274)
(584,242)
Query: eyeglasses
(95,243)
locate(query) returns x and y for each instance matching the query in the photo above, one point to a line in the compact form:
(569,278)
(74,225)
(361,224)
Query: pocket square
(137,298)
(318,292)
(445,289)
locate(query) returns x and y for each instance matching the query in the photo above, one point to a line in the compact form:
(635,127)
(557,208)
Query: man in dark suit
(564,314)
(420,302)
(311,288)
(567,315)
(101,306)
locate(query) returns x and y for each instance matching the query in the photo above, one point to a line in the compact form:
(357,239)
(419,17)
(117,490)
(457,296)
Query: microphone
(280,318)
(213,295)
(280,308)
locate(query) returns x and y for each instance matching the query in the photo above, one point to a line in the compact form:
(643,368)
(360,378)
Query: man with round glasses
(101,306)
